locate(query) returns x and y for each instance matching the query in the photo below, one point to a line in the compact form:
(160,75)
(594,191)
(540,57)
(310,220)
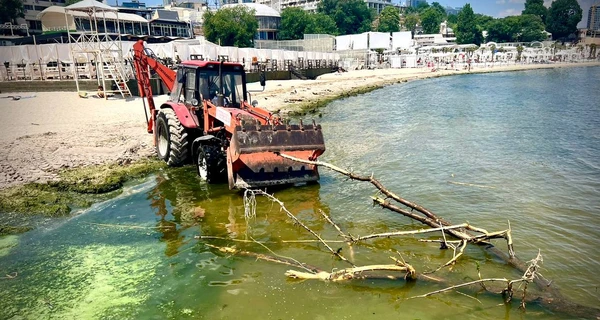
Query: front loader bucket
(252,160)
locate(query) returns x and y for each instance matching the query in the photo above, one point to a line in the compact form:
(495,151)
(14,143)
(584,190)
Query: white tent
(379,40)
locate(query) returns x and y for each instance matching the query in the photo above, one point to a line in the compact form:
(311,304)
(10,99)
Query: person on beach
(100,93)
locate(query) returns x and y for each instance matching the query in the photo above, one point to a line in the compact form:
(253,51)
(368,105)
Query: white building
(268,19)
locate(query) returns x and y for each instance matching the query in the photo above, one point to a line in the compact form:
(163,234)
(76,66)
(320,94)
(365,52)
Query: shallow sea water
(522,147)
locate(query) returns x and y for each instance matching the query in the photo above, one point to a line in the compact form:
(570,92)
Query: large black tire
(172,143)
(211,163)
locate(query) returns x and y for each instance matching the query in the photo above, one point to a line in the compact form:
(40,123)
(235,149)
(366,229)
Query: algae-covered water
(486,149)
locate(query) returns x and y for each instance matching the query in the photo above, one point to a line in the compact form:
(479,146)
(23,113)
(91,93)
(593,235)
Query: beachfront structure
(268,20)
(166,23)
(311,5)
(593,22)
(310,42)
(56,61)
(162,24)
(56,19)
(424,40)
(32,10)
(95,52)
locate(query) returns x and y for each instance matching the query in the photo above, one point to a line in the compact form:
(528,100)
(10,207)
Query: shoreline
(56,133)
(299,97)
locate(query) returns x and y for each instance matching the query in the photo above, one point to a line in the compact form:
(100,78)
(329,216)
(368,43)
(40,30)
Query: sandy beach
(50,131)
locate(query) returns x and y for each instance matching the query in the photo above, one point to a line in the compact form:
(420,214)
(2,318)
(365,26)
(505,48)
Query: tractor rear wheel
(211,164)
(172,139)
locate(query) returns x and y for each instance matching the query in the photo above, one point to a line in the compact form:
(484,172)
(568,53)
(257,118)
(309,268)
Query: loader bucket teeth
(252,160)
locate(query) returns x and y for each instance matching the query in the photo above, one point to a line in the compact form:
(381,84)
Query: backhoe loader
(209,122)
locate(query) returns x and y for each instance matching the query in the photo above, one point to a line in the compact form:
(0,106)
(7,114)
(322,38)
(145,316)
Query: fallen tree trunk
(552,299)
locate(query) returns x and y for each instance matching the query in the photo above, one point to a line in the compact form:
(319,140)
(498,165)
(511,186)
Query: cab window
(190,85)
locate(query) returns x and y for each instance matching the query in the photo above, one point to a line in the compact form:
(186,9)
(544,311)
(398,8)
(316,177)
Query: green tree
(563,17)
(439,8)
(430,20)
(531,28)
(422,6)
(452,18)
(467,30)
(519,52)
(525,28)
(483,21)
(352,16)
(411,21)
(293,23)
(10,10)
(327,7)
(319,23)
(536,8)
(234,26)
(389,20)
(503,30)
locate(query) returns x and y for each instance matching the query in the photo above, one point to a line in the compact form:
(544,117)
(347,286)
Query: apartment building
(593,22)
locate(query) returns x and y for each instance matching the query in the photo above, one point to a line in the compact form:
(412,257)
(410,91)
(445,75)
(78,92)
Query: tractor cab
(221,84)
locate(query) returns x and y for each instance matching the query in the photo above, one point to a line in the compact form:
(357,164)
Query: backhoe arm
(143,63)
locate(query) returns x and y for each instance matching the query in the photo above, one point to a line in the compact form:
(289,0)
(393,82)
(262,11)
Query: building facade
(268,18)
(415,3)
(166,23)
(593,22)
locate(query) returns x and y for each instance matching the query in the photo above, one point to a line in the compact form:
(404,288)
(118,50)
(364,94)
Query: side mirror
(194,102)
(263,78)
(254,103)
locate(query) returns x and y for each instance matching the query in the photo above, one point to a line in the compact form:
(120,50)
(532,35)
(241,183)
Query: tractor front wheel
(171,139)
(211,163)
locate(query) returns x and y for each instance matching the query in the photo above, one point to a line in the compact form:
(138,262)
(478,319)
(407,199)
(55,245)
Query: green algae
(9,230)
(312,107)
(75,188)
(103,178)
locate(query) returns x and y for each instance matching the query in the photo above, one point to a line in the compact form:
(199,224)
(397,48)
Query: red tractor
(208,121)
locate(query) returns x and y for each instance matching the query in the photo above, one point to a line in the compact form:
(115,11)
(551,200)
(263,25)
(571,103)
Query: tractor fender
(206,139)
(187,118)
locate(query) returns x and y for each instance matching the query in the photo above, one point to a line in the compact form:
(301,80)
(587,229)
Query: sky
(494,8)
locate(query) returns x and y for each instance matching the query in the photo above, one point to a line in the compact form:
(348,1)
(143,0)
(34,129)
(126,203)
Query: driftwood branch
(461,249)
(374,182)
(339,230)
(527,277)
(208,237)
(427,217)
(356,272)
(280,260)
(345,274)
(297,221)
(410,232)
(551,298)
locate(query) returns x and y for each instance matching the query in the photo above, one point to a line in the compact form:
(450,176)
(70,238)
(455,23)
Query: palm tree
(519,52)
(593,51)
(579,51)
(493,49)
